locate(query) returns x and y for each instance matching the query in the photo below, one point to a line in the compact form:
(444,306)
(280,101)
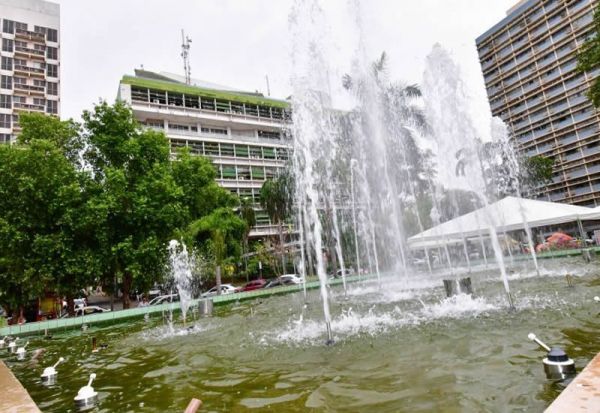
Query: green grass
(199,91)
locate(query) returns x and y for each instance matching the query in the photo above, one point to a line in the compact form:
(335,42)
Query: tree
(589,58)
(218,235)
(248,215)
(276,197)
(149,197)
(42,244)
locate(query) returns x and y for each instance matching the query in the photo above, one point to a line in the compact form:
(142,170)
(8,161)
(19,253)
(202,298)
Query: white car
(162,299)
(90,310)
(225,289)
(292,277)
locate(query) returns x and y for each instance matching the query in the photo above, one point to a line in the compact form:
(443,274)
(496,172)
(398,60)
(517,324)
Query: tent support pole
(581,231)
(466,253)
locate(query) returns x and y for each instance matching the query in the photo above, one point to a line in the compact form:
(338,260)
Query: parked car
(161,299)
(292,277)
(349,272)
(93,309)
(225,289)
(255,285)
(277,282)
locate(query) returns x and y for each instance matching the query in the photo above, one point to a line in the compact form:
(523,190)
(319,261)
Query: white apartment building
(29,61)
(243,133)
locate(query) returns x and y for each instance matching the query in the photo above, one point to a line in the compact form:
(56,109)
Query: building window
(8,26)
(39,101)
(52,88)
(6,82)
(52,106)
(5,120)
(7,45)
(52,35)
(39,29)
(5,138)
(6,101)
(7,63)
(21,26)
(52,71)
(52,53)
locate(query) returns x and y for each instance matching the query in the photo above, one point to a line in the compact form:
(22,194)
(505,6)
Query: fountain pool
(402,348)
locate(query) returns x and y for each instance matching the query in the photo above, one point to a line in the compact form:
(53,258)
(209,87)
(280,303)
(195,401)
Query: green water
(397,350)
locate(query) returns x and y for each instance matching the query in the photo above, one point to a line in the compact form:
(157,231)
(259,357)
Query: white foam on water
(167,332)
(347,325)
(460,305)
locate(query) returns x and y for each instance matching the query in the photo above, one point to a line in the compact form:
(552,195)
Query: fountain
(374,174)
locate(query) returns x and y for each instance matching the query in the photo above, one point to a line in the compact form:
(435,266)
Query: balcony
(30,53)
(30,71)
(33,36)
(29,107)
(30,89)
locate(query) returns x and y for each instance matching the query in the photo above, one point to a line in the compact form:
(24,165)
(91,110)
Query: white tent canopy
(505,215)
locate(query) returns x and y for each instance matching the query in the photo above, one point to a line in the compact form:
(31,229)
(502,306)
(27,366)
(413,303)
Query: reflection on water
(402,348)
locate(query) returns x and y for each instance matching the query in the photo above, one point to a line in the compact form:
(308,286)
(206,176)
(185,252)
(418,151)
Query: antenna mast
(185,54)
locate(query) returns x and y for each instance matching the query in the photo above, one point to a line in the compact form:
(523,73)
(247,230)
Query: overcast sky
(238,42)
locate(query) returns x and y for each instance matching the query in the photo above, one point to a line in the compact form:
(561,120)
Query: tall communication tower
(185,53)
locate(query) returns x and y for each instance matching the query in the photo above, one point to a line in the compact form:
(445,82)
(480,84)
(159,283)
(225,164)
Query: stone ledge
(583,394)
(15,398)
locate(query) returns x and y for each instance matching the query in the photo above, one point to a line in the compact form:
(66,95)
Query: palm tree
(276,197)
(247,214)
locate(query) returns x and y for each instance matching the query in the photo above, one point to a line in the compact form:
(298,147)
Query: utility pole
(185,54)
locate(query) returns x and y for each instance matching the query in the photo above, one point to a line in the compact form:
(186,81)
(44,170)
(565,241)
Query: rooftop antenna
(268,87)
(185,53)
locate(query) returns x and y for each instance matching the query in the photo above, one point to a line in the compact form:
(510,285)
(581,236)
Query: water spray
(557,364)
(3,341)
(50,373)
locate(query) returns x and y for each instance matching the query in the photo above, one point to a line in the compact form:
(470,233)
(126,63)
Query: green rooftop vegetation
(199,91)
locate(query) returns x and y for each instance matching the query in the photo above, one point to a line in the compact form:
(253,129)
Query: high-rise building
(29,61)
(243,133)
(529,64)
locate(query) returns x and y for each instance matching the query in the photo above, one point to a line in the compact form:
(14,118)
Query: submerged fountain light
(87,396)
(557,364)
(50,373)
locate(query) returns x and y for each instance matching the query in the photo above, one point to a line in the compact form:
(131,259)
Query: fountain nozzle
(87,396)
(557,364)
(330,340)
(539,342)
(49,374)
(596,299)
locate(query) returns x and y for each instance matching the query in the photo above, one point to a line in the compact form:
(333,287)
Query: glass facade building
(529,64)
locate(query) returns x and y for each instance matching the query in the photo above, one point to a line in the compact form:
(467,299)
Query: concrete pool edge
(15,398)
(77,322)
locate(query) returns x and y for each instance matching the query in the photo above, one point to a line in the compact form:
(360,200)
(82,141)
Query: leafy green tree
(42,239)
(589,58)
(219,235)
(148,196)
